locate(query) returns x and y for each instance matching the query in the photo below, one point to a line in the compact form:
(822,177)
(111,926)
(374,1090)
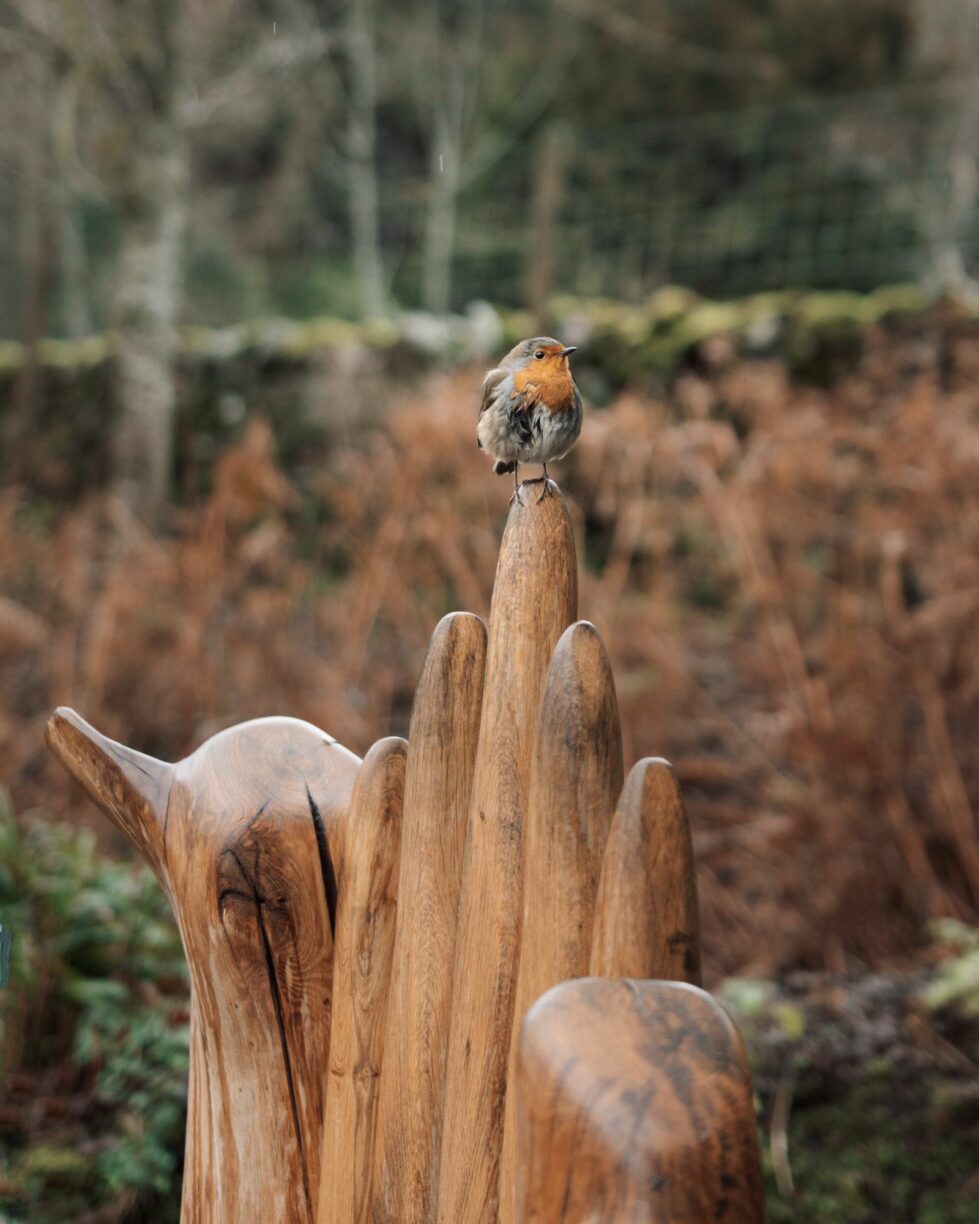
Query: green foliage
(143,1056)
(215,277)
(98,987)
(320,287)
(881,1121)
(878,1151)
(956,984)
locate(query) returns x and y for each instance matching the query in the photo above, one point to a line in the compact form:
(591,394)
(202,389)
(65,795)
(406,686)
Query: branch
(638,34)
(271,56)
(496,144)
(33,25)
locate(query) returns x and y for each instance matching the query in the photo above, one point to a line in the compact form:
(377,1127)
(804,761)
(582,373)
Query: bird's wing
(490,384)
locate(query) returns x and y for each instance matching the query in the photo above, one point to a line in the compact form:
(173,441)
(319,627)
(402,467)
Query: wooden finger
(634,1104)
(438,785)
(363,947)
(576,777)
(646,919)
(534,600)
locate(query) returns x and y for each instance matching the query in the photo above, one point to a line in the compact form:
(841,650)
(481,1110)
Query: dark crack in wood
(326,860)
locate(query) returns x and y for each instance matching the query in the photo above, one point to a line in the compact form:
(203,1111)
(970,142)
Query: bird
(530,410)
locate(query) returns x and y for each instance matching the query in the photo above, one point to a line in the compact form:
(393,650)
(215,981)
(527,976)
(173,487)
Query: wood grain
(634,1103)
(441,757)
(130,788)
(247,836)
(362,938)
(534,599)
(576,777)
(646,919)
(362,955)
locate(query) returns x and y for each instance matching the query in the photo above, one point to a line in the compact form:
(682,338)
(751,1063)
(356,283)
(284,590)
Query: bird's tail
(501,468)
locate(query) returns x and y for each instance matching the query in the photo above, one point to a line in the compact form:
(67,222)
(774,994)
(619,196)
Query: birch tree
(139,79)
(361,151)
(469,125)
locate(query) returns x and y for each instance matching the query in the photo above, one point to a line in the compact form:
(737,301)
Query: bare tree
(361,46)
(947,44)
(446,47)
(35,85)
(124,69)
(139,77)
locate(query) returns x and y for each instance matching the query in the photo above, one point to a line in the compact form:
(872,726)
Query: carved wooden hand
(365,939)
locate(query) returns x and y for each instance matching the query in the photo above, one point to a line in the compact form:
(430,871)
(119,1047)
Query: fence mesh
(851,193)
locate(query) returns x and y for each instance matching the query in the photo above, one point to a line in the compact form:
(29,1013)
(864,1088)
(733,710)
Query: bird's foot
(515,495)
(548,487)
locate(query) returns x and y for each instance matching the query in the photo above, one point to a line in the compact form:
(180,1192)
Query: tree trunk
(145,315)
(361,150)
(441,224)
(21,426)
(76,315)
(544,235)
(947,42)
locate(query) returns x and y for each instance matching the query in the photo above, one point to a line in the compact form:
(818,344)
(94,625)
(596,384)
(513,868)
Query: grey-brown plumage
(531,410)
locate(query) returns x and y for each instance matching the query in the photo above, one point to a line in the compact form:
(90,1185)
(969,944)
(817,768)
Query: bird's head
(539,351)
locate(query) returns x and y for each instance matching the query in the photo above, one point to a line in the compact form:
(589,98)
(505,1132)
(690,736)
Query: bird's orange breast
(548,382)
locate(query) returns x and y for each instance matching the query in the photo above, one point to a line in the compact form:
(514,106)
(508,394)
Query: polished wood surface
(362,954)
(441,758)
(535,598)
(646,918)
(247,837)
(364,940)
(576,777)
(634,1104)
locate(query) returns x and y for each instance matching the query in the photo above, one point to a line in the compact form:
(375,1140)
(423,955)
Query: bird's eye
(539,354)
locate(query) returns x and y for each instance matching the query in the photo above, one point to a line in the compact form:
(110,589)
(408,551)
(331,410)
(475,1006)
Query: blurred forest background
(254,257)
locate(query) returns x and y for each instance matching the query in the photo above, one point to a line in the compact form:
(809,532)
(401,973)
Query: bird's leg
(546,487)
(516,487)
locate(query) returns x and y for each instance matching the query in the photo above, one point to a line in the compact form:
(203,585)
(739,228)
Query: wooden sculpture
(247,837)
(365,939)
(633,1103)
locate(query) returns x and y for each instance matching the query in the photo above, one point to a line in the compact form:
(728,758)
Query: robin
(530,410)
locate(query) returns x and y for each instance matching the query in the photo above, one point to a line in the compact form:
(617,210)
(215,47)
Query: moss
(880,1151)
(792,1021)
(817,312)
(671,303)
(623,341)
(956,981)
(516,324)
(47,1183)
(882,1125)
(290,369)
(53,1167)
(897,302)
(11,355)
(74,354)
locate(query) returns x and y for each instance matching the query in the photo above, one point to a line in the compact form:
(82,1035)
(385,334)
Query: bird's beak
(572,348)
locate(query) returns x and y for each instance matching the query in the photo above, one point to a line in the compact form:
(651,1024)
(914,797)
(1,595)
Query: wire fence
(850,193)
(853,193)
